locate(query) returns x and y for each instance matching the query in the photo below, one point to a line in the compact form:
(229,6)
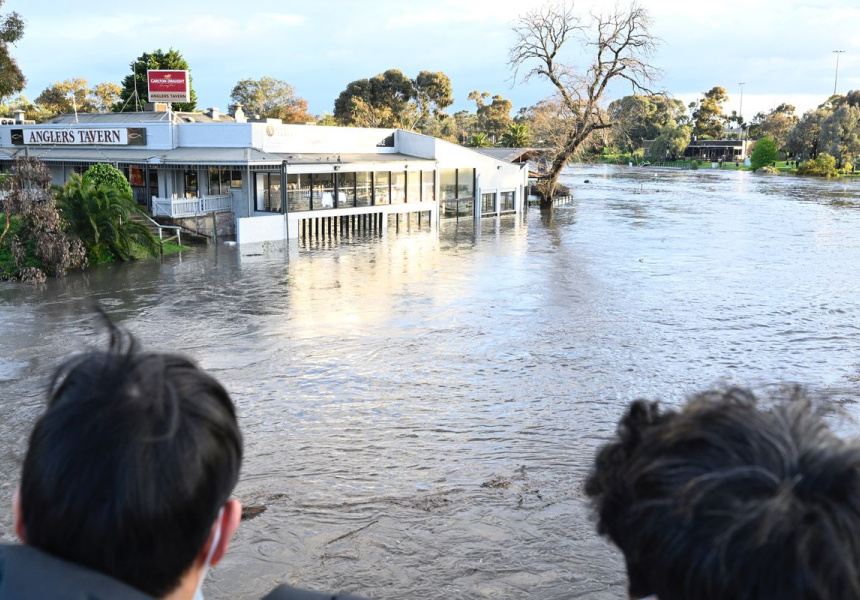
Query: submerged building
(267,181)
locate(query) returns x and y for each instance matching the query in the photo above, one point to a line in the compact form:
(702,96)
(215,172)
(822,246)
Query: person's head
(726,500)
(130,465)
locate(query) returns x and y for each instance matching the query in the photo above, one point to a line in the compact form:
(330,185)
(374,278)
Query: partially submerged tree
(621,46)
(39,244)
(270,97)
(764,153)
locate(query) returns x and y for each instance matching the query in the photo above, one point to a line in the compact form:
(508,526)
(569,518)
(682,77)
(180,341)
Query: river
(420,411)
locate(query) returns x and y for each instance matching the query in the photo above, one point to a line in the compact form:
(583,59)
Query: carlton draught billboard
(169,86)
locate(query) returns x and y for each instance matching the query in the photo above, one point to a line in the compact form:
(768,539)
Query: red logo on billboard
(169,86)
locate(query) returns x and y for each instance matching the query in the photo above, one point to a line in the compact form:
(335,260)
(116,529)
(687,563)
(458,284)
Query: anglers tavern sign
(132,136)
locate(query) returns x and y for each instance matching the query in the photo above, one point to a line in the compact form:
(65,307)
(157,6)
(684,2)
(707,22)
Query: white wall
(214,135)
(315,139)
(269,228)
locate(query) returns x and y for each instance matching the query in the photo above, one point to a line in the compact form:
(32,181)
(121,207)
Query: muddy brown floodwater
(420,411)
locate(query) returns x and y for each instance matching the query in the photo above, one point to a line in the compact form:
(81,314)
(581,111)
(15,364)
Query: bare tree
(621,46)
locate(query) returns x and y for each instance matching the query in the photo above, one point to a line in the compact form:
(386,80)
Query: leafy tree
(776,124)
(707,113)
(638,118)
(823,166)
(517,136)
(840,133)
(39,244)
(622,46)
(672,140)
(134,92)
(805,138)
(12,80)
(479,140)
(391,99)
(32,111)
(100,214)
(104,95)
(63,96)
(270,97)
(109,175)
(764,153)
(495,117)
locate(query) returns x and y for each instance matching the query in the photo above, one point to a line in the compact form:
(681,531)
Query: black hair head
(128,466)
(723,499)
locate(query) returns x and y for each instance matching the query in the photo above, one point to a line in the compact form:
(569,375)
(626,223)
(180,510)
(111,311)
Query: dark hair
(129,465)
(725,500)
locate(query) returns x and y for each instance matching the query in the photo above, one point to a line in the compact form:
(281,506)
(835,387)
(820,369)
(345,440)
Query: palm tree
(100,216)
(517,136)
(479,140)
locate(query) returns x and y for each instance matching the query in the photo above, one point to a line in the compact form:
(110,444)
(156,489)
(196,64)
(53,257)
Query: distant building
(265,180)
(712,150)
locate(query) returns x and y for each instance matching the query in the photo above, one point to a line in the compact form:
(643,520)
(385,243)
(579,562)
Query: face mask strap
(198,593)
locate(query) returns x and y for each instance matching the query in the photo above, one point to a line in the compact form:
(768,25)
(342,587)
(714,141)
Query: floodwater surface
(420,411)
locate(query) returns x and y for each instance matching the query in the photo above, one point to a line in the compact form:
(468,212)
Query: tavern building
(264,180)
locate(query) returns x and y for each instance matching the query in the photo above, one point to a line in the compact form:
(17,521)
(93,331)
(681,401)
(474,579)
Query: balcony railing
(190,207)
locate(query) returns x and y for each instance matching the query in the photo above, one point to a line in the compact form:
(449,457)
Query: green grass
(172,248)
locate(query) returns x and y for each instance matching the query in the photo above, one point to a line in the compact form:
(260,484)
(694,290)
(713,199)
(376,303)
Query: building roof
(508,154)
(204,156)
(112,117)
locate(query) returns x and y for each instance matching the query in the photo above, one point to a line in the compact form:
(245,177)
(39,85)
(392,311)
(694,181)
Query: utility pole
(836,77)
(741,110)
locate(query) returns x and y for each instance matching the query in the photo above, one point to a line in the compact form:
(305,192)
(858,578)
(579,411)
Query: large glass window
(235,179)
(323,192)
(267,192)
(506,202)
(218,181)
(428,186)
(345,190)
(488,204)
(398,187)
(298,191)
(382,190)
(448,184)
(465,183)
(364,189)
(413,186)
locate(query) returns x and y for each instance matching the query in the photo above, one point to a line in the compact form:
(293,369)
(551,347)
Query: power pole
(741,110)
(836,77)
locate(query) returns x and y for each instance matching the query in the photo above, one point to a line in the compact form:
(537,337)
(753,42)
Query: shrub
(823,166)
(764,153)
(100,215)
(104,173)
(694,165)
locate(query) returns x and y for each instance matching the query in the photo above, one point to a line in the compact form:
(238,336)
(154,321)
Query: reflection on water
(420,410)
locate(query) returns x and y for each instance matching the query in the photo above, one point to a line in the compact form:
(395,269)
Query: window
(298,192)
(488,204)
(428,186)
(448,184)
(382,191)
(465,183)
(190,183)
(218,181)
(235,179)
(363,189)
(323,191)
(398,187)
(506,202)
(267,192)
(345,190)
(413,186)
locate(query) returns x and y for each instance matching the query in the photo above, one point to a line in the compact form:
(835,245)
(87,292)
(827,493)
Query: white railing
(190,207)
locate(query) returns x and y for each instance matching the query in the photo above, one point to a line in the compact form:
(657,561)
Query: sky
(781,50)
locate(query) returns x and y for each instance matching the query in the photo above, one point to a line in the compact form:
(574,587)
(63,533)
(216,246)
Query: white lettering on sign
(76,137)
